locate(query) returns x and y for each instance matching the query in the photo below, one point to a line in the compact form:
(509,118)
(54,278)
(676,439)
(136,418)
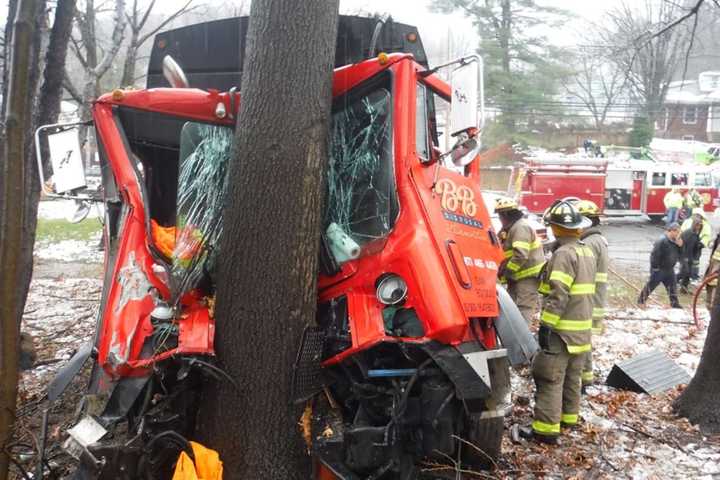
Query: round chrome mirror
(465,151)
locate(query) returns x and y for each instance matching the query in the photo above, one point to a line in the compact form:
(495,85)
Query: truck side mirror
(467,110)
(467,104)
(66,168)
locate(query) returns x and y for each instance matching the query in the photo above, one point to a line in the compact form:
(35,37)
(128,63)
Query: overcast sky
(430,24)
(437,29)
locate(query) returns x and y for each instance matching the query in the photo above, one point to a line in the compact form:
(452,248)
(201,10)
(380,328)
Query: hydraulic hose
(696,295)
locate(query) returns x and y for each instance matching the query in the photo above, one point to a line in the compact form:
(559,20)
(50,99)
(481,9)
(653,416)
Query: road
(630,243)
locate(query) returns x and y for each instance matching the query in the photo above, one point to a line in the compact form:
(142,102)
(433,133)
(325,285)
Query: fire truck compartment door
(513,331)
(618,190)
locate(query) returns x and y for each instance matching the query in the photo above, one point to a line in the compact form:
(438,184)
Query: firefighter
(698,215)
(568,285)
(690,251)
(594,239)
(692,201)
(673,201)
(524,257)
(663,258)
(713,268)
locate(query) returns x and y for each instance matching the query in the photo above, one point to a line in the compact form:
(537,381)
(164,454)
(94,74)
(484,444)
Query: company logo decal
(470,222)
(456,199)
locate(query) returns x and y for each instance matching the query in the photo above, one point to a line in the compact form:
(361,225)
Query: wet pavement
(630,241)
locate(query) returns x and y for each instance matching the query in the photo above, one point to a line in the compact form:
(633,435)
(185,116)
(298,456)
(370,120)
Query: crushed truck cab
(410,346)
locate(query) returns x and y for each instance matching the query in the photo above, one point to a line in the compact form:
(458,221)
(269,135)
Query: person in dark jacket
(664,256)
(690,251)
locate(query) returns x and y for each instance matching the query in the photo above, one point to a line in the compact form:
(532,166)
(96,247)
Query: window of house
(690,115)
(703,179)
(679,179)
(688,138)
(658,179)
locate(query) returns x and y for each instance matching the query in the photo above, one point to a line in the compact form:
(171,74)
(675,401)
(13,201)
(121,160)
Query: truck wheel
(484,431)
(485,436)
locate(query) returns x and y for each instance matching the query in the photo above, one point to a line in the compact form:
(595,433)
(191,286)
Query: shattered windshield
(361,198)
(204,157)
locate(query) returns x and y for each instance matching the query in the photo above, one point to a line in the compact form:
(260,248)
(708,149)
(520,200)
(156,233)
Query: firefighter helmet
(503,204)
(587,208)
(563,214)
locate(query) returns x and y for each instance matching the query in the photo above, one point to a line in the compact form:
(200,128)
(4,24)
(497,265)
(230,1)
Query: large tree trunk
(700,402)
(47,111)
(17,121)
(267,283)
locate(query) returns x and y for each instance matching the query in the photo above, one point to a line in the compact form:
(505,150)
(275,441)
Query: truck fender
(513,331)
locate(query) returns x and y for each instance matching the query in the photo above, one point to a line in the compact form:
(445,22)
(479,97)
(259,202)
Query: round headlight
(391,289)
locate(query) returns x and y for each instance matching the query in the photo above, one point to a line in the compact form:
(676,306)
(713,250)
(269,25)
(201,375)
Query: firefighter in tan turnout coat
(568,285)
(593,238)
(524,257)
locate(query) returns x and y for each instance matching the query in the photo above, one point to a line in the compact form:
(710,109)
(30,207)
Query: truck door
(638,191)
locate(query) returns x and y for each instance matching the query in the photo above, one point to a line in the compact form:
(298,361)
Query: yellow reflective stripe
(508,253)
(523,245)
(569,418)
(562,277)
(529,272)
(512,266)
(549,318)
(573,325)
(716,255)
(588,376)
(544,288)
(598,312)
(596,330)
(582,289)
(545,428)
(601,277)
(579,348)
(584,251)
(527,245)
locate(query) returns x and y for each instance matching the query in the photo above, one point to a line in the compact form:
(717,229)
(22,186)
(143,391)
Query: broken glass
(361,196)
(204,157)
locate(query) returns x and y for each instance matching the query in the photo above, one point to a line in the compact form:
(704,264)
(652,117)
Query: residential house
(692,110)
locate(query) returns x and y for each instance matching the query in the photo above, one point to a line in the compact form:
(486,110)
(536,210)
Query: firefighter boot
(517,432)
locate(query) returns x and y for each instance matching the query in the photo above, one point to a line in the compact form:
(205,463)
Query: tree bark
(700,402)
(46,111)
(267,280)
(17,119)
(52,87)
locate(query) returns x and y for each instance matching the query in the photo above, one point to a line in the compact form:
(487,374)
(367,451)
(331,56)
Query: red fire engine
(634,187)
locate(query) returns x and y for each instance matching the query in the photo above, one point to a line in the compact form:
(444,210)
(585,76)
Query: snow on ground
(52,248)
(624,434)
(70,250)
(58,209)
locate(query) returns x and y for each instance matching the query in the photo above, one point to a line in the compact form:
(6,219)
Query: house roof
(695,92)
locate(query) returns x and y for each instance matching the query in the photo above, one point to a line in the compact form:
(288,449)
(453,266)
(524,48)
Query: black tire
(485,441)
(485,434)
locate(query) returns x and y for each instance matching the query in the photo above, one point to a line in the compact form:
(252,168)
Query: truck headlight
(391,289)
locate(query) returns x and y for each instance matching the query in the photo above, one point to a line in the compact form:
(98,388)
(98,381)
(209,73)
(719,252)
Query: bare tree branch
(72,91)
(117,38)
(181,11)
